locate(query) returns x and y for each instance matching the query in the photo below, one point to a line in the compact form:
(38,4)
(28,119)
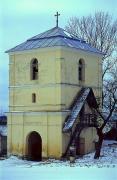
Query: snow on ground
(84,168)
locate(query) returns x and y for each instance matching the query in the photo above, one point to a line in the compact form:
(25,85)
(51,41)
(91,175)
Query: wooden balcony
(89,120)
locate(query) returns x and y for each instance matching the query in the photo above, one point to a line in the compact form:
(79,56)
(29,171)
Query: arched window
(81,70)
(33,98)
(34,69)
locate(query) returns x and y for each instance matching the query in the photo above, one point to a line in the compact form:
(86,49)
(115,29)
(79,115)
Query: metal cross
(57,15)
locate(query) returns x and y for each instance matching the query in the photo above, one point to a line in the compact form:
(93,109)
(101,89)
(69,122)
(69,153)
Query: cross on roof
(57,15)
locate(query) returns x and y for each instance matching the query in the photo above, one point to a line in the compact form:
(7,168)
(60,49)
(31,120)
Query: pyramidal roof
(52,38)
(54,32)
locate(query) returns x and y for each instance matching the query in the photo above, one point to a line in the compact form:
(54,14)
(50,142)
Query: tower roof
(52,38)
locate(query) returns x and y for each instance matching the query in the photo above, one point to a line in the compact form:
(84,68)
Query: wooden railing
(89,120)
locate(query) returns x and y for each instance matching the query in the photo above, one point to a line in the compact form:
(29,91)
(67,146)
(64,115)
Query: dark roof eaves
(11,51)
(16,51)
(84,50)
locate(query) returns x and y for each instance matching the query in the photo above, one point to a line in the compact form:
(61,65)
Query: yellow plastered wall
(48,98)
(69,73)
(48,125)
(55,90)
(47,87)
(58,80)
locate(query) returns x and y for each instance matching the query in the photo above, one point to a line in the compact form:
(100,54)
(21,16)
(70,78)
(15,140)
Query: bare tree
(110,106)
(100,31)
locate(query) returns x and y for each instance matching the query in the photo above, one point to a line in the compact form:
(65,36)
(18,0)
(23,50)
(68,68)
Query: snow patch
(84,168)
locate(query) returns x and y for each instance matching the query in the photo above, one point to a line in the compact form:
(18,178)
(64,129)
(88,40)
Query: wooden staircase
(76,109)
(73,137)
(88,120)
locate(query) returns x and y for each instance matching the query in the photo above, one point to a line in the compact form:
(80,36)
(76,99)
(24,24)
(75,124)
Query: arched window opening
(33,98)
(34,69)
(81,70)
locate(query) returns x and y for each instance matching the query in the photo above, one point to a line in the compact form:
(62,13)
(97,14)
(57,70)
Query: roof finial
(57,15)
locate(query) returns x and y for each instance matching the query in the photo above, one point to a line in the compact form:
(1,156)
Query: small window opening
(33,98)
(81,70)
(34,69)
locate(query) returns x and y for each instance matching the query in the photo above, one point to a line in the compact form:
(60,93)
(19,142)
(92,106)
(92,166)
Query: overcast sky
(20,20)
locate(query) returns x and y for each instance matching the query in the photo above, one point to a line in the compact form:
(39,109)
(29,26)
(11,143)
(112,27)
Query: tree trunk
(99,144)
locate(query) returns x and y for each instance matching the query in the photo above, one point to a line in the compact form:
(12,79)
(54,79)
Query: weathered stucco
(55,90)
